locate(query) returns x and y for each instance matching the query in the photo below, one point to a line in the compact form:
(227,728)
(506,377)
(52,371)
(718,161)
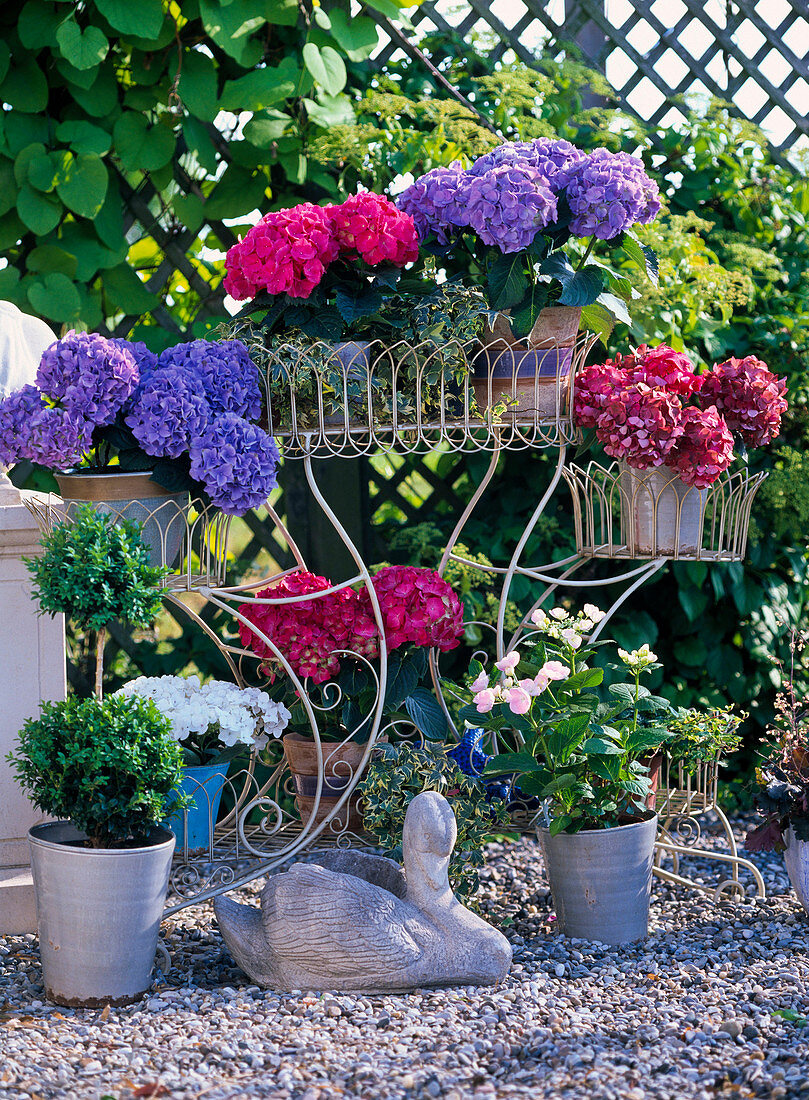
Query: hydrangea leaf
(507,281)
(584,288)
(84,49)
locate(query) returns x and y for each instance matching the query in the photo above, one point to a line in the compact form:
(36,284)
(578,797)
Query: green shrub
(107,765)
(396,774)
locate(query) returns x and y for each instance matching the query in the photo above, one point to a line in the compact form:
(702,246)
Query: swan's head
(430,827)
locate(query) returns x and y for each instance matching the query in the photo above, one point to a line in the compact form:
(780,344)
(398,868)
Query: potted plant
(581,755)
(408,362)
(517,210)
(330,638)
(137,433)
(672,431)
(214,723)
(782,783)
(108,766)
(396,774)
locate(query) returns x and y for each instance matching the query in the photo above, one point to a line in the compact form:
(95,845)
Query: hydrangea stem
(586,255)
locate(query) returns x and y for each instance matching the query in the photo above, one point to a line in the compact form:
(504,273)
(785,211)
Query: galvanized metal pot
(796,858)
(600,880)
(133,496)
(660,513)
(98,914)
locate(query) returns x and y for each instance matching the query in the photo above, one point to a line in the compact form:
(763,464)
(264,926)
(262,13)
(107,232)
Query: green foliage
(698,736)
(110,766)
(94,569)
(396,774)
(205,110)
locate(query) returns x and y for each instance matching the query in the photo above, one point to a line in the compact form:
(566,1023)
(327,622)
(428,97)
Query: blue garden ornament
(471,760)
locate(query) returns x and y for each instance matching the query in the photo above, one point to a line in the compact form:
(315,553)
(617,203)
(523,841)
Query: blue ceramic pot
(536,379)
(204,784)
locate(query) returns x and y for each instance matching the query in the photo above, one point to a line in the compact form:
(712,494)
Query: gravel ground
(689,1013)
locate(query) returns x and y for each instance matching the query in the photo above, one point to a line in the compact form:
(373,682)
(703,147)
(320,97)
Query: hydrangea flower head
(89,375)
(167,413)
(553,159)
(640,425)
(310,632)
(417,606)
(16,412)
(436,202)
(663,368)
(749,396)
(370,226)
(287,252)
(228,376)
(507,206)
(236,461)
(608,193)
(145,359)
(703,450)
(595,387)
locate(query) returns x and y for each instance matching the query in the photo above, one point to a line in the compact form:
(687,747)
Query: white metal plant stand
(374,400)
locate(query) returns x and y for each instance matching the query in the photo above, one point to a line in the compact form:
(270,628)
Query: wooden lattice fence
(743,51)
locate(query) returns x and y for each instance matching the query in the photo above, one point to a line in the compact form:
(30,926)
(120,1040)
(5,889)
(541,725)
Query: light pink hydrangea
(704,450)
(485,700)
(640,425)
(518,699)
(749,396)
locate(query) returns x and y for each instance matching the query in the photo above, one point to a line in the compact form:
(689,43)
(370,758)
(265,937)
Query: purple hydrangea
(436,202)
(146,360)
(57,438)
(227,374)
(167,412)
(610,192)
(16,412)
(236,462)
(506,206)
(89,375)
(555,160)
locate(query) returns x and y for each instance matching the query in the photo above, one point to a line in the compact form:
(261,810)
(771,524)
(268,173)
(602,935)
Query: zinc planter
(660,513)
(204,784)
(98,914)
(600,880)
(133,496)
(796,858)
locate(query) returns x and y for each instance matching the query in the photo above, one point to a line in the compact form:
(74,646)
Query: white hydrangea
(235,715)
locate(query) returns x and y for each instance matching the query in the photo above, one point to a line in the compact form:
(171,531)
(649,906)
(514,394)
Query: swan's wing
(379,870)
(356,928)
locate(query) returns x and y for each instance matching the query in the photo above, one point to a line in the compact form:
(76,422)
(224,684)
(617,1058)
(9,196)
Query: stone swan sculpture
(356,922)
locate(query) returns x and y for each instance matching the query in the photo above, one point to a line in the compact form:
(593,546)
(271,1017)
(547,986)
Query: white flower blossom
(236,715)
(593,612)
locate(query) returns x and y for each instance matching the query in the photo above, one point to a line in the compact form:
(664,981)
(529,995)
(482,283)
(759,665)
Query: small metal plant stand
(408,399)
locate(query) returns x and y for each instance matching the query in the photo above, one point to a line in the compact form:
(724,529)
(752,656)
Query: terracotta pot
(532,376)
(654,762)
(340,764)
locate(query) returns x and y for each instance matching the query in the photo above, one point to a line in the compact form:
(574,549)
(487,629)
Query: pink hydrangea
(703,450)
(749,396)
(664,368)
(287,252)
(417,606)
(595,386)
(370,226)
(640,425)
(310,632)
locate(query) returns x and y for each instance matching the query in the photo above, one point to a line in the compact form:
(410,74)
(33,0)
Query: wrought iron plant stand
(371,400)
